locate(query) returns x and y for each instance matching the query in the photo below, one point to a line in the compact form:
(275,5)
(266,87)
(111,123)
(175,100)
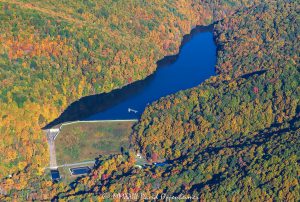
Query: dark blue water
(194,63)
(80,170)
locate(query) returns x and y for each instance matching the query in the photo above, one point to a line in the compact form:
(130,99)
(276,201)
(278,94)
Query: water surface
(194,63)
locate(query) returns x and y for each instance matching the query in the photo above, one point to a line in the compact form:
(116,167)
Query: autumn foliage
(234,137)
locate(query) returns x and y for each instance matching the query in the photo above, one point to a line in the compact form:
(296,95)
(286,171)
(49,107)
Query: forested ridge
(53,53)
(233,137)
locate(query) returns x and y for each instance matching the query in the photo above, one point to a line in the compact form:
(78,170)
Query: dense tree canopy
(53,53)
(233,137)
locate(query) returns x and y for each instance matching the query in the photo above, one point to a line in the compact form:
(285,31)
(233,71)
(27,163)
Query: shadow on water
(90,105)
(167,60)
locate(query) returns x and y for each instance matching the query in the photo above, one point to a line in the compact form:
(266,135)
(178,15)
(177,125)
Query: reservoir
(194,64)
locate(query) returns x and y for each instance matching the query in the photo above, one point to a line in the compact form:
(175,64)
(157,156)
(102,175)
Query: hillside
(50,58)
(245,120)
(234,137)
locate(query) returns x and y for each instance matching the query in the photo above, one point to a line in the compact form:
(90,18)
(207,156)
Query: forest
(234,137)
(50,58)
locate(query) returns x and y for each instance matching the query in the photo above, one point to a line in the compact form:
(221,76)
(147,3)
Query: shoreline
(94,104)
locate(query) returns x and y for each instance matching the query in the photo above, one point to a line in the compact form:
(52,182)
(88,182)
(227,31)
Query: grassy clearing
(86,141)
